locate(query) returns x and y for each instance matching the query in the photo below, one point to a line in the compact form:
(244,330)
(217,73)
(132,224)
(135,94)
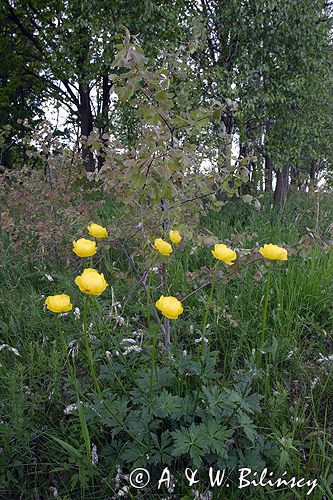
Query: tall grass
(42,448)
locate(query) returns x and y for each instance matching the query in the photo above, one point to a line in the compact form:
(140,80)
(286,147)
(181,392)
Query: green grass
(42,448)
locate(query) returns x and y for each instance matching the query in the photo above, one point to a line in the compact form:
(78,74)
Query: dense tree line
(270,60)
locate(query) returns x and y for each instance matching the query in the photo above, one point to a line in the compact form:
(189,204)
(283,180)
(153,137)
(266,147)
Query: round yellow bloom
(224,253)
(170,307)
(175,237)
(163,247)
(58,303)
(91,282)
(273,252)
(84,248)
(97,231)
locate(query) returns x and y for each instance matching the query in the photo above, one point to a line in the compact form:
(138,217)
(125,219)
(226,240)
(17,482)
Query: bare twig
(209,282)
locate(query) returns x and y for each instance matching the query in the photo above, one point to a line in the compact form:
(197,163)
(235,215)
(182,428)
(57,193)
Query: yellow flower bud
(224,253)
(175,237)
(84,248)
(273,252)
(163,247)
(97,231)
(58,303)
(170,307)
(91,282)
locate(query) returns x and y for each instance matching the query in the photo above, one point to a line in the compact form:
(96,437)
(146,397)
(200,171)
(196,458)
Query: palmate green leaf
(161,451)
(251,403)
(133,453)
(217,435)
(215,399)
(247,425)
(251,458)
(233,399)
(167,405)
(192,441)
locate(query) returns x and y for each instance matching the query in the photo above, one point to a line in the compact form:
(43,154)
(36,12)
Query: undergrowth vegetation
(89,397)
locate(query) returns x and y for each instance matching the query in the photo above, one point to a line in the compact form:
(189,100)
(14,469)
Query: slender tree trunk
(86,122)
(295,179)
(105,117)
(282,185)
(226,134)
(312,174)
(268,174)
(245,188)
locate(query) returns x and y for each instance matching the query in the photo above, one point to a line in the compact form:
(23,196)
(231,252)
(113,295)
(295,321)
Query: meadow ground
(273,404)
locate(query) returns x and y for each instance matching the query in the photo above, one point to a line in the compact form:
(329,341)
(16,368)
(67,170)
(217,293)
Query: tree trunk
(268,174)
(295,178)
(313,176)
(282,185)
(86,122)
(245,187)
(105,117)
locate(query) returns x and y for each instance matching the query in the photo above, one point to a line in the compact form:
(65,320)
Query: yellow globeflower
(224,253)
(84,248)
(169,307)
(163,247)
(175,237)
(97,231)
(273,252)
(91,282)
(58,303)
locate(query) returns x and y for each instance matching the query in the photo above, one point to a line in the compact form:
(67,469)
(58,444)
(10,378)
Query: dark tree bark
(282,185)
(106,87)
(245,188)
(268,173)
(313,176)
(295,178)
(86,122)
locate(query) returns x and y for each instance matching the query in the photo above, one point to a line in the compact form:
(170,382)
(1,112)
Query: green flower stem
(165,277)
(153,366)
(82,418)
(151,331)
(86,342)
(166,327)
(204,324)
(153,372)
(264,319)
(112,413)
(148,292)
(64,347)
(83,423)
(100,313)
(111,366)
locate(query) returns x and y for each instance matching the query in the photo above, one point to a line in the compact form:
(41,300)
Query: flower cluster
(91,282)
(170,306)
(164,247)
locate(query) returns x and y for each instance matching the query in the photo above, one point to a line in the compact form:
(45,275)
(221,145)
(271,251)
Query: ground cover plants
(96,392)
